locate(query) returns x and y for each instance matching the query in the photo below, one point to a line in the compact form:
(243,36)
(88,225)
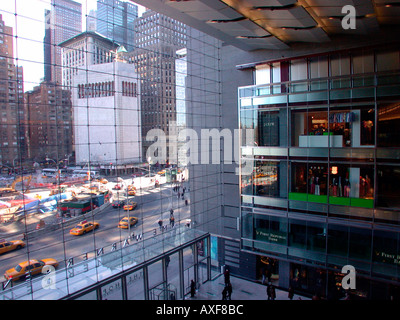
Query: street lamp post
(58,175)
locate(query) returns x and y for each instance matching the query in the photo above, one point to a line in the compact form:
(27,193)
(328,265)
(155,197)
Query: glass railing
(104,265)
(342,87)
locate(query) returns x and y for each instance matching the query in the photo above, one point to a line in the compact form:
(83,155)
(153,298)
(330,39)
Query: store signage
(266,235)
(387,257)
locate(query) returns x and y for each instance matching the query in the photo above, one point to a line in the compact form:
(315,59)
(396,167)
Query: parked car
(118,204)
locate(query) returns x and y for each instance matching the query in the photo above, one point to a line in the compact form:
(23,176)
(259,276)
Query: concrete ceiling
(276,24)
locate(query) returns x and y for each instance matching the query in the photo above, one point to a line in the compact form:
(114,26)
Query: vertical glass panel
(272,127)
(360,244)
(316,236)
(247,223)
(266,179)
(276,72)
(156,275)
(388,61)
(388,124)
(89,296)
(173,276)
(297,234)
(112,291)
(388,186)
(340,64)
(386,252)
(318,68)
(135,285)
(363,63)
(298,71)
(263,74)
(248,126)
(338,240)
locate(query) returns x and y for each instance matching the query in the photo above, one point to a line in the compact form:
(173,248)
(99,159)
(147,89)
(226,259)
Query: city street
(153,204)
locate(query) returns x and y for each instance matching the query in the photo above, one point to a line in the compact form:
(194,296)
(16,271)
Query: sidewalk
(241,290)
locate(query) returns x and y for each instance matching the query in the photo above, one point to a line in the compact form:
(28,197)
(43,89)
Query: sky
(26,17)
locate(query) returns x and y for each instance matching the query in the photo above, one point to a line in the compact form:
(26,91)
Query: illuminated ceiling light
(299,28)
(368,15)
(254,37)
(388,4)
(227,21)
(272,8)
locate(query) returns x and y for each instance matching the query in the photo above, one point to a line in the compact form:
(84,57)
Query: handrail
(360,75)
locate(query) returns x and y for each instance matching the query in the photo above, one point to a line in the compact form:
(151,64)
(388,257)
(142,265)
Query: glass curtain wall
(81,174)
(324,157)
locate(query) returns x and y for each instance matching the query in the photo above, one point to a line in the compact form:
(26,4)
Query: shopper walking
(192,288)
(227,276)
(269,291)
(229,291)
(290,293)
(224,293)
(273,293)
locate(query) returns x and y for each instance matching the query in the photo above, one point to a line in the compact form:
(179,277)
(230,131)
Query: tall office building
(157,40)
(48,122)
(106,96)
(83,50)
(115,20)
(12,134)
(62,21)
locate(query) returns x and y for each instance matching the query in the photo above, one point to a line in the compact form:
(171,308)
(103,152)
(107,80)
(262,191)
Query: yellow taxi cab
(84,227)
(32,267)
(130,206)
(124,223)
(6,246)
(131,190)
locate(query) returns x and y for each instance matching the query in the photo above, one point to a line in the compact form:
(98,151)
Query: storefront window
(367,126)
(247,184)
(298,234)
(386,248)
(388,178)
(309,179)
(268,128)
(338,240)
(388,124)
(344,127)
(308,279)
(266,179)
(352,186)
(316,237)
(360,244)
(267,269)
(270,229)
(248,121)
